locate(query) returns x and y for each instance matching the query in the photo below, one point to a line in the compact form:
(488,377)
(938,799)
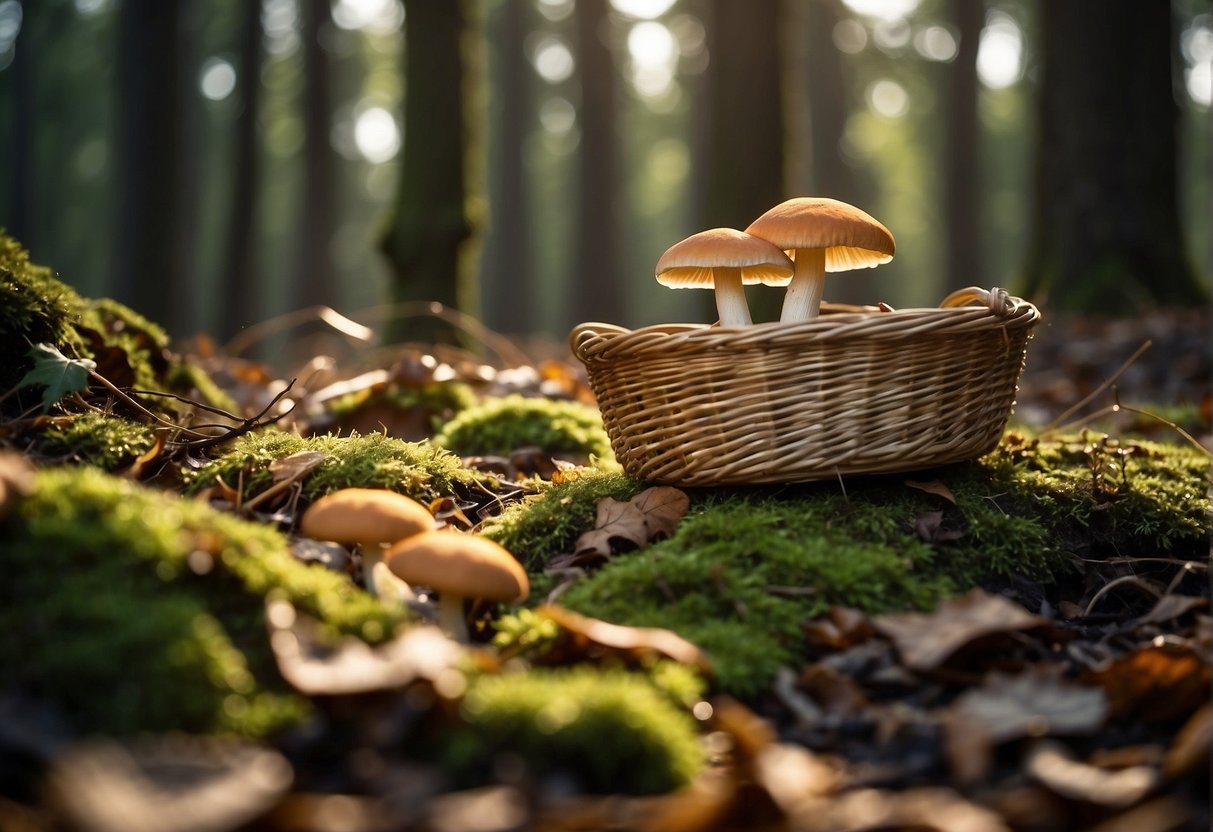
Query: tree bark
(1107,235)
(18,217)
(319,204)
(150,150)
(507,281)
(241,277)
(745,154)
(962,172)
(430,229)
(598,290)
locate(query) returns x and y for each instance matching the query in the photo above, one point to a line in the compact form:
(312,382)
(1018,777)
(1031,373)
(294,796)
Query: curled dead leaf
(926,641)
(1158,683)
(1049,764)
(635,641)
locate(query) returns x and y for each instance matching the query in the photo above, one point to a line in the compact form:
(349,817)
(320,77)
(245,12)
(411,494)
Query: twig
(1132,580)
(245,425)
(1108,382)
(160,420)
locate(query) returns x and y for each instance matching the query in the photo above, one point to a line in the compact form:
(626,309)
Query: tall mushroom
(458,565)
(824,235)
(370,518)
(726,259)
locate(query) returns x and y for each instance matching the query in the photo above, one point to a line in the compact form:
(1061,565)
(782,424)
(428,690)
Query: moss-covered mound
(611,729)
(503,425)
(103,440)
(375,460)
(130,351)
(747,566)
(409,411)
(134,610)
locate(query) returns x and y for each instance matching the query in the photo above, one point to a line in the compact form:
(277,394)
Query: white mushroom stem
(803,299)
(730,297)
(450,616)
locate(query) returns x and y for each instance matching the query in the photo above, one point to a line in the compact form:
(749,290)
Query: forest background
(214,163)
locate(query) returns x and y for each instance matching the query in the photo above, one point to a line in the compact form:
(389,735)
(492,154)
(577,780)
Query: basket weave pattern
(845,393)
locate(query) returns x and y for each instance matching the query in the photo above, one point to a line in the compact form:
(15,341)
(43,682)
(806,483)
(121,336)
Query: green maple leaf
(61,375)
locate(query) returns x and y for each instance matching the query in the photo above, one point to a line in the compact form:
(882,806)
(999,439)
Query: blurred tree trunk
(962,173)
(508,285)
(829,105)
(241,278)
(315,272)
(150,152)
(18,99)
(745,152)
(1107,235)
(598,287)
(431,226)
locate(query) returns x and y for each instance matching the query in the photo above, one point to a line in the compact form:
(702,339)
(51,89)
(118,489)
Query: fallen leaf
(1192,745)
(139,466)
(1158,683)
(1035,704)
(624,521)
(636,641)
(350,666)
(166,784)
(926,641)
(56,372)
(933,487)
(1049,764)
(296,465)
(838,629)
(1172,606)
(936,809)
(662,507)
(929,528)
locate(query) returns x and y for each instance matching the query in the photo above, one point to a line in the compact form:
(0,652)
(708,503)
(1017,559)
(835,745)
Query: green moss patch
(500,426)
(747,567)
(136,611)
(104,440)
(612,730)
(418,469)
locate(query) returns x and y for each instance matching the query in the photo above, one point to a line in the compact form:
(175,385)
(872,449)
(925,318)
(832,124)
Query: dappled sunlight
(553,59)
(1000,55)
(216,79)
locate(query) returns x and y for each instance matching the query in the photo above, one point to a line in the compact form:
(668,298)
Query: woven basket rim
(966,310)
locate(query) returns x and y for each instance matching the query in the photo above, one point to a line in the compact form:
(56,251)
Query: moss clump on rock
(503,425)
(611,730)
(134,610)
(375,460)
(104,440)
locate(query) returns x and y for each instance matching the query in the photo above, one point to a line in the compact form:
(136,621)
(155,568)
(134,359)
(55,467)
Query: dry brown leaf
(662,508)
(139,466)
(351,666)
(1032,705)
(1155,684)
(637,641)
(296,465)
(936,809)
(926,641)
(1049,764)
(166,784)
(838,629)
(615,520)
(933,487)
(1192,745)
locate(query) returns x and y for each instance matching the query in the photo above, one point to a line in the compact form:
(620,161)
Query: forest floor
(1078,705)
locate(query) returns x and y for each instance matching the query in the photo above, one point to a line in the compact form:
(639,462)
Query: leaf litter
(984,715)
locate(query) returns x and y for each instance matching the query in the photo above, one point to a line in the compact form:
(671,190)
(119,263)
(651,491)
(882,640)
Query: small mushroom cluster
(794,244)
(401,545)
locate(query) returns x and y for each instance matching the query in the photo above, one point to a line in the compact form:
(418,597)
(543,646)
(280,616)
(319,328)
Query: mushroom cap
(367,516)
(459,563)
(852,238)
(691,262)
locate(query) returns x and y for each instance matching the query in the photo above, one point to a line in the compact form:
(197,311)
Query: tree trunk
(150,150)
(319,204)
(241,277)
(598,287)
(745,154)
(1107,235)
(507,281)
(961,170)
(18,217)
(429,231)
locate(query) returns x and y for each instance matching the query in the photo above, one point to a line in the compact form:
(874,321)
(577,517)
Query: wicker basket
(855,391)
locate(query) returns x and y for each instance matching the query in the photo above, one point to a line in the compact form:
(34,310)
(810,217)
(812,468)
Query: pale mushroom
(824,235)
(370,518)
(727,260)
(458,566)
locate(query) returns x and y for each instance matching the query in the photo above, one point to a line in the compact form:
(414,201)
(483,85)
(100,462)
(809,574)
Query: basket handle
(997,300)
